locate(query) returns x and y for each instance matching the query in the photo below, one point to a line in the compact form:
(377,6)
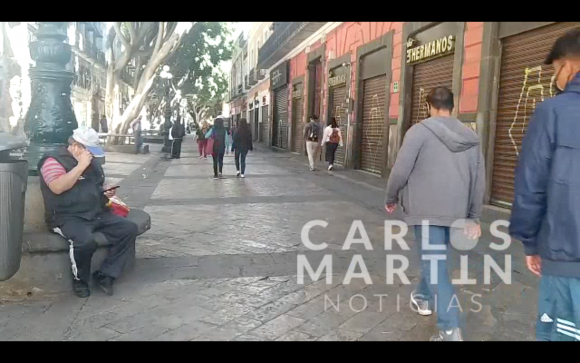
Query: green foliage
(200,55)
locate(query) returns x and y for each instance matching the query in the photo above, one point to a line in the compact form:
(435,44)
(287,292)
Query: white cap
(90,139)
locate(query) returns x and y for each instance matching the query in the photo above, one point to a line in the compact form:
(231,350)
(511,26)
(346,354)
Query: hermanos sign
(432,49)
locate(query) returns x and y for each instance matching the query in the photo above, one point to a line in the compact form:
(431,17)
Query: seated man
(75,200)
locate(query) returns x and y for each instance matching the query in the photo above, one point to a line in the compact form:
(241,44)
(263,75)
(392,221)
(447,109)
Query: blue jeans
(558,309)
(241,159)
(441,293)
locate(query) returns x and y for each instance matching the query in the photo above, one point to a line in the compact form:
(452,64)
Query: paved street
(219,263)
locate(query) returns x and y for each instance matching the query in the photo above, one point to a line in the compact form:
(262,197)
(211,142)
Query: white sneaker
(238,173)
(330,167)
(242,175)
(421,305)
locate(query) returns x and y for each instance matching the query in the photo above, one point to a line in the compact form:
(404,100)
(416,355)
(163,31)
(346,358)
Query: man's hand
(110,193)
(534,263)
(84,159)
(472,230)
(390,208)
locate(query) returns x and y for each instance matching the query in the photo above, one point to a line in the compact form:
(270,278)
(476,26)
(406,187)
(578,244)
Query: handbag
(209,146)
(118,207)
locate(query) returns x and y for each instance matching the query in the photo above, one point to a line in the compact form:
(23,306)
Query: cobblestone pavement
(220,263)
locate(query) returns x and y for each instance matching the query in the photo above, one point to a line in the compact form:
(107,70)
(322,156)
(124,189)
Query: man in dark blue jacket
(546,210)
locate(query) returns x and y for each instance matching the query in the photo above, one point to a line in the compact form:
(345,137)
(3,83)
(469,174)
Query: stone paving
(220,263)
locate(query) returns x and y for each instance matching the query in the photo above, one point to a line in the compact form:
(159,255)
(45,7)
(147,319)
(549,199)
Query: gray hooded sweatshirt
(441,173)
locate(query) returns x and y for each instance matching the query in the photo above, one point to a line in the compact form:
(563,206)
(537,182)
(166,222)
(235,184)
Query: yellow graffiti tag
(535,91)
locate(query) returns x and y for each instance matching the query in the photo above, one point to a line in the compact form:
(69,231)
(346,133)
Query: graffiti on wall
(533,91)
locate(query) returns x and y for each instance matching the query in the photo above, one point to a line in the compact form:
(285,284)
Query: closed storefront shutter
(264,126)
(339,111)
(525,81)
(281,119)
(373,119)
(297,125)
(426,76)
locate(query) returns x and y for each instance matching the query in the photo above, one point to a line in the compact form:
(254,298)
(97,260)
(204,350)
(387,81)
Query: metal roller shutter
(318,90)
(373,124)
(297,125)
(264,129)
(426,76)
(281,119)
(524,81)
(340,112)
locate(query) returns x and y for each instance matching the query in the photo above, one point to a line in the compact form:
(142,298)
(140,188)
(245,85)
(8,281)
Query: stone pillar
(50,120)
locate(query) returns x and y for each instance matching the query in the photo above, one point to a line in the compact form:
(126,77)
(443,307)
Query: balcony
(253,78)
(286,36)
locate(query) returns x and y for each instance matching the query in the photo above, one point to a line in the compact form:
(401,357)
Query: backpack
(313,133)
(334,137)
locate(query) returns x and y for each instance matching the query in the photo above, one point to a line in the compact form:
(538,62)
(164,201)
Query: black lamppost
(50,120)
(167,125)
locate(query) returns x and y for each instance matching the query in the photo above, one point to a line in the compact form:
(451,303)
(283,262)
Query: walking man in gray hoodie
(440,173)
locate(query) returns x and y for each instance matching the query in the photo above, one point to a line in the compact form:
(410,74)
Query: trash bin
(13,180)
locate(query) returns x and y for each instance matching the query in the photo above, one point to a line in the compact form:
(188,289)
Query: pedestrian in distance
(178,133)
(332,138)
(546,208)
(201,140)
(137,134)
(312,137)
(441,173)
(218,134)
(242,143)
(229,139)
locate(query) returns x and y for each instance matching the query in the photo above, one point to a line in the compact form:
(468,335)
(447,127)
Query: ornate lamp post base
(50,120)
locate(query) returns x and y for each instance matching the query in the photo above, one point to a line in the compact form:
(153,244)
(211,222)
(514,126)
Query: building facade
(88,64)
(373,77)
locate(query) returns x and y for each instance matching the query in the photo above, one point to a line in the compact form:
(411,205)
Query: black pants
(121,232)
(330,151)
(218,161)
(176,148)
(241,158)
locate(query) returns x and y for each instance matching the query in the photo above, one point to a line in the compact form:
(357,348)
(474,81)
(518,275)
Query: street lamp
(167,125)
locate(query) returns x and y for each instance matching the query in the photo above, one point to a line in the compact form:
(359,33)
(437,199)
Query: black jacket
(84,200)
(242,142)
(178,131)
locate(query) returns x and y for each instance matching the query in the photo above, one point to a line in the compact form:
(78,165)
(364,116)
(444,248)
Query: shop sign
(279,76)
(445,45)
(337,80)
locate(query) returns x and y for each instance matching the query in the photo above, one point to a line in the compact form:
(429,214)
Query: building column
(50,120)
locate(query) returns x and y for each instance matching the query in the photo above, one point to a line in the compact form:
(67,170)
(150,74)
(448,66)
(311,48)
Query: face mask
(558,89)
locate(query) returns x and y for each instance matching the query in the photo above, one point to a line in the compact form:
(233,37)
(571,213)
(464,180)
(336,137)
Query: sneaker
(104,282)
(238,173)
(330,167)
(421,305)
(243,176)
(311,169)
(215,177)
(205,157)
(81,289)
(200,157)
(220,175)
(453,335)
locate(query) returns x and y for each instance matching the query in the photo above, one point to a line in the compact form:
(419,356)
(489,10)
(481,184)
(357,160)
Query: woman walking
(218,135)
(332,137)
(241,145)
(201,141)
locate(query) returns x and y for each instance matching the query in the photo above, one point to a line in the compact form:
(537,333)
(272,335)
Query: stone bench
(45,265)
